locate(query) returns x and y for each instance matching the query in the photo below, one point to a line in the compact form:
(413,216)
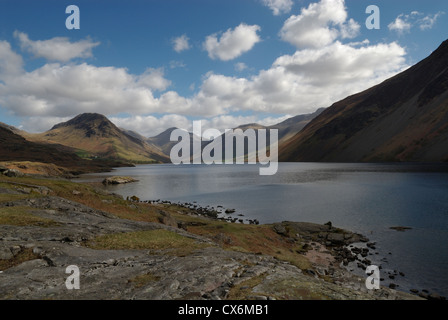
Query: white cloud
(177,64)
(294,84)
(428,22)
(181,43)
(56,49)
(319,25)
(150,126)
(306,80)
(404,22)
(11,64)
(400,24)
(154,79)
(321,72)
(240,66)
(232,43)
(41,124)
(65,90)
(278,6)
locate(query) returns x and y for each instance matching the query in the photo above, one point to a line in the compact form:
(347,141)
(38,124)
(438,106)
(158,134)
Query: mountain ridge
(94,135)
(403,118)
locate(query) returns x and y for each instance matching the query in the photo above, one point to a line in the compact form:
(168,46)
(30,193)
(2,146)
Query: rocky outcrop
(34,261)
(118,180)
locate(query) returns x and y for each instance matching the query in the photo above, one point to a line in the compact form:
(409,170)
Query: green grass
(244,238)
(21,216)
(154,240)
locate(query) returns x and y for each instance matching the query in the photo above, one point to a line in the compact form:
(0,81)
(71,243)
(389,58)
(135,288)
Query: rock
(336,238)
(168,220)
(435,296)
(38,250)
(280,229)
(423,295)
(118,180)
(13,173)
(5,254)
(16,250)
(76,192)
(401,229)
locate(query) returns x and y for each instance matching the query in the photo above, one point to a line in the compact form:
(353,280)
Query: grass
(143,280)
(243,290)
(24,255)
(259,239)
(21,216)
(154,240)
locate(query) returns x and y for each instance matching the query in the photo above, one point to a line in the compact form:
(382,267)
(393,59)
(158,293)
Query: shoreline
(303,242)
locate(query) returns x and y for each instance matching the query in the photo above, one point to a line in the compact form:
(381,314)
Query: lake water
(365,198)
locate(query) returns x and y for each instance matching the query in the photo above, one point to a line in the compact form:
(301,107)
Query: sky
(155,64)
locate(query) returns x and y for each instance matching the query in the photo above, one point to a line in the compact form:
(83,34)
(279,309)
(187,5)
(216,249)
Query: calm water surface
(366,198)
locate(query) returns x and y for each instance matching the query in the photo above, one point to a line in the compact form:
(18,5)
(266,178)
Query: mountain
(93,135)
(405,118)
(14,147)
(292,126)
(289,127)
(286,130)
(163,141)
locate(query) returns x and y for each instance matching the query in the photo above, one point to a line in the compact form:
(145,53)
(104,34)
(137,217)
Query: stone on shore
(118,180)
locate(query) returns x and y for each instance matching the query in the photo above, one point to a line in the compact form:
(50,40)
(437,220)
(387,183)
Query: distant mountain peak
(84,118)
(93,124)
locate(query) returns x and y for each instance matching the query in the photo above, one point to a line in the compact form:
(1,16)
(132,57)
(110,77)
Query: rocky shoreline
(58,232)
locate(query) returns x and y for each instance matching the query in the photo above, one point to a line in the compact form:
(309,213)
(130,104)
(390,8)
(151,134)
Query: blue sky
(151,65)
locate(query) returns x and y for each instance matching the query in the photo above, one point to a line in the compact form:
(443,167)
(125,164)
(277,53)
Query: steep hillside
(404,118)
(16,148)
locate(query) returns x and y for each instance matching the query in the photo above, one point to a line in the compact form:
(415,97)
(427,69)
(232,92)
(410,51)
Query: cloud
(240,66)
(320,72)
(154,79)
(64,90)
(11,64)
(306,80)
(41,124)
(278,6)
(232,43)
(150,126)
(181,43)
(428,22)
(404,22)
(56,49)
(319,25)
(400,25)
(294,84)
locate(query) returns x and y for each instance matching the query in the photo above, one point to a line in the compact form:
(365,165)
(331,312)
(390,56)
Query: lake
(365,198)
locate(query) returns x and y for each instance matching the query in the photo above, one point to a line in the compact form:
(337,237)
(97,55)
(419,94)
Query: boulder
(13,173)
(118,180)
(336,238)
(280,229)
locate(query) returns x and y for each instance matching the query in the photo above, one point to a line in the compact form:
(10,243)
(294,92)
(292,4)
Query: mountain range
(405,118)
